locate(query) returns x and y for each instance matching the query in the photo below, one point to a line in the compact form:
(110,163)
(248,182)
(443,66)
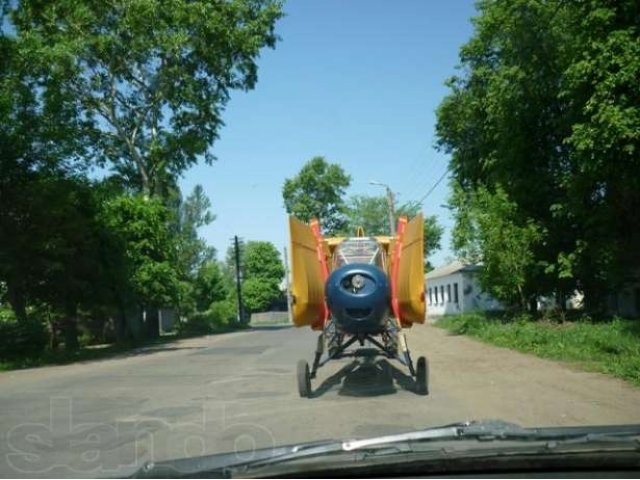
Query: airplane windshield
(358,250)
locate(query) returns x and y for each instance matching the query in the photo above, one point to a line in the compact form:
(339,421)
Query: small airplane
(358,289)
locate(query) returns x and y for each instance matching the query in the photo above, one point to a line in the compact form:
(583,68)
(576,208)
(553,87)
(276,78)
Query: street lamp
(390,205)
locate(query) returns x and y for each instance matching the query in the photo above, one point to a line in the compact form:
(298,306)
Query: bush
(219,315)
(225,310)
(21,339)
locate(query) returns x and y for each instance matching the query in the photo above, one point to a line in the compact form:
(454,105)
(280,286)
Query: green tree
(141,228)
(192,252)
(501,242)
(57,237)
(368,212)
(153,76)
(262,260)
(318,191)
(48,233)
(72,268)
(209,286)
(600,85)
(503,121)
(547,109)
(262,272)
(194,213)
(41,140)
(259,294)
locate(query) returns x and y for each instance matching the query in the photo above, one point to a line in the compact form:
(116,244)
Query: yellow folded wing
(307,285)
(410,278)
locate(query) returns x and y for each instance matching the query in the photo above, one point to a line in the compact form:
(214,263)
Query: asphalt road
(238,391)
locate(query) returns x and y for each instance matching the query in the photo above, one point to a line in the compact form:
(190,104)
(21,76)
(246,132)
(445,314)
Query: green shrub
(225,311)
(219,315)
(7,315)
(21,339)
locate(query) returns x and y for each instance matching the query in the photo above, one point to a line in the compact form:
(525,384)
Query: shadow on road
(136,352)
(453,333)
(366,378)
(270,327)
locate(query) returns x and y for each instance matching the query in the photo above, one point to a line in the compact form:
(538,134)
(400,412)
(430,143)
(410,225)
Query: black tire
(304,379)
(422,376)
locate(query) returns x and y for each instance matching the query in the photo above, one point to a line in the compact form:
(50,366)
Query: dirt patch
(494,382)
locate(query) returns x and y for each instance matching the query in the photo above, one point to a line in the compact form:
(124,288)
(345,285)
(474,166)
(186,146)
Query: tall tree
(368,212)
(41,141)
(601,182)
(505,247)
(192,214)
(262,272)
(194,258)
(209,285)
(70,261)
(262,260)
(546,110)
(140,226)
(153,75)
(502,121)
(318,191)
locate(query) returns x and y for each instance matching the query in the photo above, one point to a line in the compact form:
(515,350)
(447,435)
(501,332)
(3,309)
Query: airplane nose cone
(358,297)
(357,281)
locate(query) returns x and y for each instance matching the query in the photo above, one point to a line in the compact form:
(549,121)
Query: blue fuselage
(358,297)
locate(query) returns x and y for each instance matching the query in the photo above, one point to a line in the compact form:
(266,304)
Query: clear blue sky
(355,81)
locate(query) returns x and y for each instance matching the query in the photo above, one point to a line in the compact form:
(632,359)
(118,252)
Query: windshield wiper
(492,430)
(480,431)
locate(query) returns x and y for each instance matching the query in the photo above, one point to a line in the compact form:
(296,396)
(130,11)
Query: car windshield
(247,227)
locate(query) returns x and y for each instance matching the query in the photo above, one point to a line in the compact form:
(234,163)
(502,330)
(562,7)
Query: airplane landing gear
(304,379)
(393,346)
(422,376)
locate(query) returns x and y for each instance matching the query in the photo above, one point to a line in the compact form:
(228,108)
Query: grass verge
(611,347)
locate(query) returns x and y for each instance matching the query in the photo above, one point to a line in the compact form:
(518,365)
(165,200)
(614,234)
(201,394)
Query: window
(455,293)
(436,294)
(441,293)
(448,293)
(430,301)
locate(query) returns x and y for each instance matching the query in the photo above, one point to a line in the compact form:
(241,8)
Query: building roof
(453,267)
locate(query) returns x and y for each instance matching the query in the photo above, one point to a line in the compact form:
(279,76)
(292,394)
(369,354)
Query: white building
(454,288)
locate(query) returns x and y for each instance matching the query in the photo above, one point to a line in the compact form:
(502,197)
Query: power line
(421,179)
(433,187)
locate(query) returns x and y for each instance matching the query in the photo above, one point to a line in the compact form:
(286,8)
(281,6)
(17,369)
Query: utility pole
(238,285)
(390,206)
(286,280)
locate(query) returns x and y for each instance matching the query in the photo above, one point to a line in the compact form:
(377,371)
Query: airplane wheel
(304,379)
(422,376)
